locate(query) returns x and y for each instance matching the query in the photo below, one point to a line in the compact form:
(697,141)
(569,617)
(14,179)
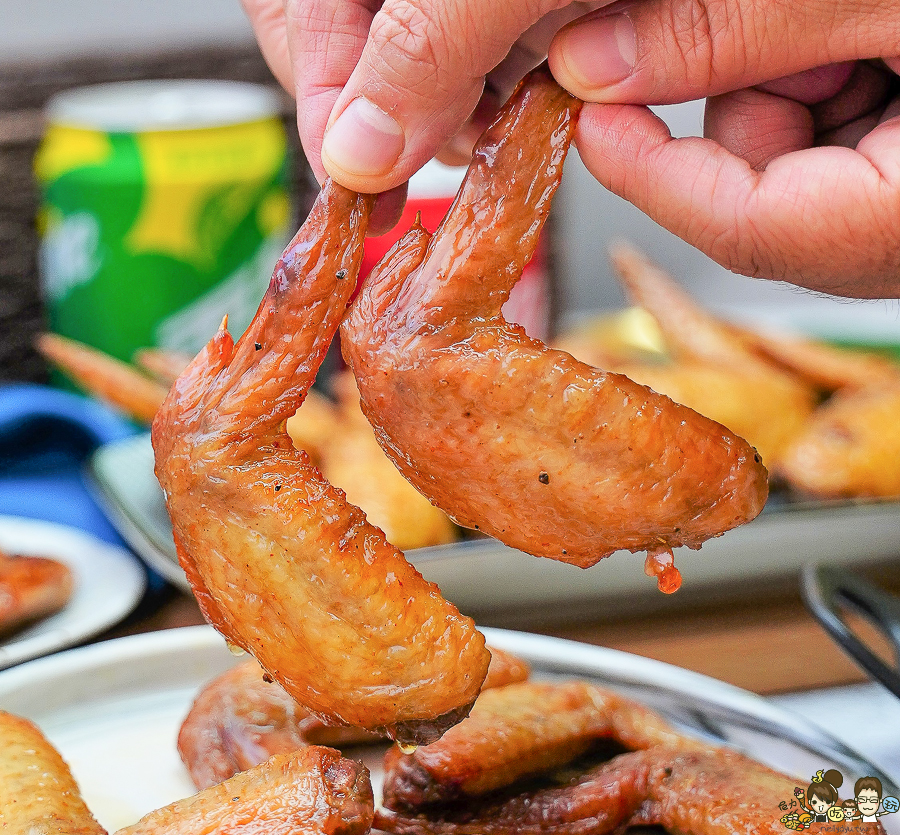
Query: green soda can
(165,206)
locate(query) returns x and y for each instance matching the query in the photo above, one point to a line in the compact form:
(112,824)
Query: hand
(399,81)
(799,176)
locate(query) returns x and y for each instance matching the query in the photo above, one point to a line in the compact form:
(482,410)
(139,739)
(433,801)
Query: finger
(420,76)
(866,91)
(326,39)
(820,218)
(664,51)
(526,53)
(267,19)
(757,126)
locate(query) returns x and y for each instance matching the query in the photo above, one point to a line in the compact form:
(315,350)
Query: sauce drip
(234,649)
(406,748)
(661,564)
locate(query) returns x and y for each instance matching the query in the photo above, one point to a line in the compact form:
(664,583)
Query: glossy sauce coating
(523,442)
(281,564)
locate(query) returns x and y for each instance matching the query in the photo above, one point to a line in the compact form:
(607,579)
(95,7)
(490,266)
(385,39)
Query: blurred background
(49,45)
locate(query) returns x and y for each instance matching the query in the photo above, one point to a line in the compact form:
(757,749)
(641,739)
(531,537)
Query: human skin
(797,180)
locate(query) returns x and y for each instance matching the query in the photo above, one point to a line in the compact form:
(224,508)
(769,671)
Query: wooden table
(767,646)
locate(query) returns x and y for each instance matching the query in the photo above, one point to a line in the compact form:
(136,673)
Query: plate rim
(17,651)
(547,651)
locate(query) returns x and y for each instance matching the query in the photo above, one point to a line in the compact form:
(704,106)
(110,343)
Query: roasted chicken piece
(344,446)
(519,731)
(107,378)
(523,442)
(820,365)
(314,791)
(38,793)
(31,588)
(695,792)
(850,447)
(715,370)
(281,564)
(242,718)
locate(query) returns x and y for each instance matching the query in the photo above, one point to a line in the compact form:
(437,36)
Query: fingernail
(364,140)
(600,52)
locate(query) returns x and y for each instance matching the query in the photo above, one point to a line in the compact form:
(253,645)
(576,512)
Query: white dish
(114,709)
(484,577)
(109,583)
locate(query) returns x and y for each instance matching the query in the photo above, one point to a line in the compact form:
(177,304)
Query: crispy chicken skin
(700,792)
(850,447)
(518,731)
(30,588)
(38,795)
(314,791)
(281,564)
(505,434)
(242,717)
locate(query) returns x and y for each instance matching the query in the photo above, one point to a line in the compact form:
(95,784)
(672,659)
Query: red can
(431,192)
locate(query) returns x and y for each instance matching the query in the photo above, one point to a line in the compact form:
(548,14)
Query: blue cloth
(45,437)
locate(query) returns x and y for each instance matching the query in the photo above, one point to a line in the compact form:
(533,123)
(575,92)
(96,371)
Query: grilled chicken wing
(38,794)
(243,717)
(515,732)
(314,791)
(543,452)
(280,562)
(30,588)
(689,792)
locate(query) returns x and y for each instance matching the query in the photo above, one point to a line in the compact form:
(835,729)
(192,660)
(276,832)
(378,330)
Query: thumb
(667,51)
(419,78)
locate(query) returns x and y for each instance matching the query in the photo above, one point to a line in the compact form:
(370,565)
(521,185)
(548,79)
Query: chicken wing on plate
(30,588)
(243,717)
(314,791)
(281,564)
(534,448)
(38,793)
(698,792)
(519,731)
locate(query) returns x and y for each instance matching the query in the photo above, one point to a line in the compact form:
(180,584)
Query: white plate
(483,577)
(114,710)
(109,583)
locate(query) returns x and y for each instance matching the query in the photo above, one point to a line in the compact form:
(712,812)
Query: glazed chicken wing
(38,794)
(243,717)
(699,792)
(543,452)
(515,732)
(30,588)
(314,791)
(281,564)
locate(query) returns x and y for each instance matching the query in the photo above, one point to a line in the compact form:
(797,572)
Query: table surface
(769,646)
